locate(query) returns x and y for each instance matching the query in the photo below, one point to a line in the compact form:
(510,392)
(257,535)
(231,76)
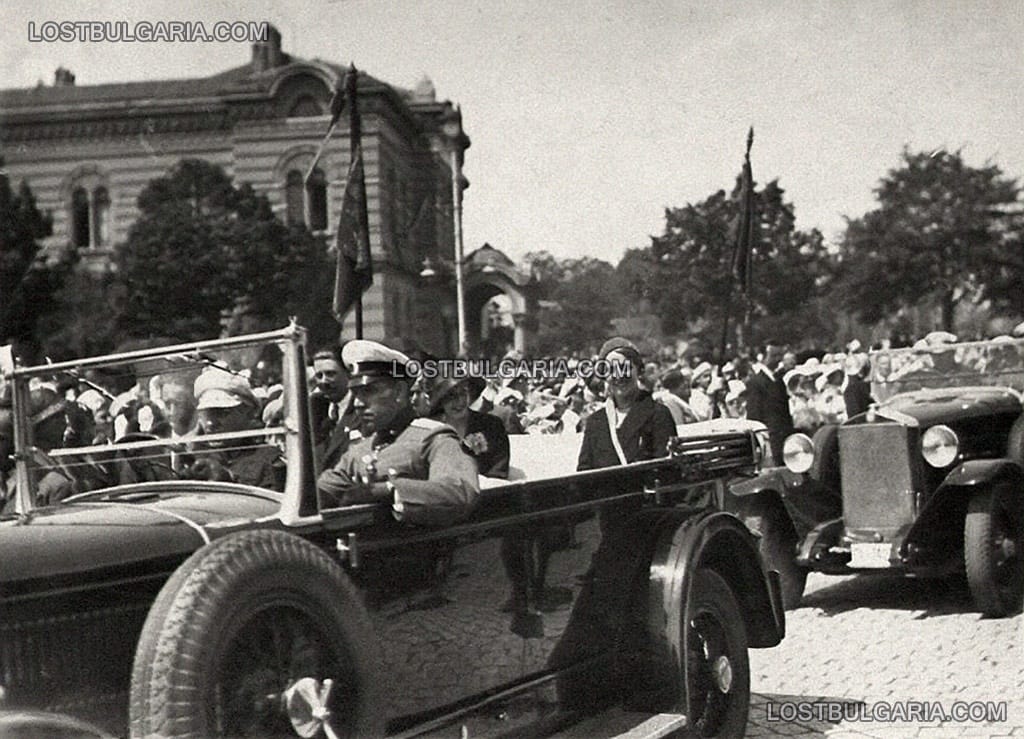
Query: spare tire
(243,639)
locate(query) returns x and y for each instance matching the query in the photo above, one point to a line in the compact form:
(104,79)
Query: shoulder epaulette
(429,424)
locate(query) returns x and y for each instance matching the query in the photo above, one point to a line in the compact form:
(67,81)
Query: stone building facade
(87,151)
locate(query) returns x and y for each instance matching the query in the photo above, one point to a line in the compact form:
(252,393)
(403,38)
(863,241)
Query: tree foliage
(30,276)
(686,272)
(579,298)
(942,231)
(202,246)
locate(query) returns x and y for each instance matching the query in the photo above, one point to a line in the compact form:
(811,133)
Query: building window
(316,196)
(304,107)
(100,217)
(80,217)
(294,198)
(90,217)
(306,202)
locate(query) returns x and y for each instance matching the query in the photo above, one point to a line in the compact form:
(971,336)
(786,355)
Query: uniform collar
(398,424)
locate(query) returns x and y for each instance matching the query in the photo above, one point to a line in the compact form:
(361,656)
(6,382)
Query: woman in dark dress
(642,426)
(630,427)
(483,436)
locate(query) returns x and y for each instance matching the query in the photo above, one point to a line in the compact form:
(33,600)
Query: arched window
(100,217)
(88,208)
(316,195)
(80,230)
(294,198)
(304,107)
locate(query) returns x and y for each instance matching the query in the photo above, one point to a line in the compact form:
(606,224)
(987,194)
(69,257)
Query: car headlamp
(798,453)
(940,446)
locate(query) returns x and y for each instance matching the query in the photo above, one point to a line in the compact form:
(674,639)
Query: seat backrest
(540,456)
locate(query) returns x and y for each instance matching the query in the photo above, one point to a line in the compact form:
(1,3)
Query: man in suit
(334,419)
(856,391)
(768,400)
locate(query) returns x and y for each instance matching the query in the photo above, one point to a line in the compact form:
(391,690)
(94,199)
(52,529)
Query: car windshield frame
(963,364)
(291,432)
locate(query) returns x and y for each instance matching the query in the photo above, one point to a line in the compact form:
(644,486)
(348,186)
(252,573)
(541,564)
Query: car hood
(950,405)
(150,522)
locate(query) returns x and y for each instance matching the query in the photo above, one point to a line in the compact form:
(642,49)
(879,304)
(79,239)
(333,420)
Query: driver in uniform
(416,464)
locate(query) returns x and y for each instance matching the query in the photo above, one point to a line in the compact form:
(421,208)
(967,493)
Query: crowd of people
(774,386)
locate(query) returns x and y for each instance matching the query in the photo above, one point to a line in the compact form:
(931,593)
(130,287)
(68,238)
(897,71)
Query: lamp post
(452,130)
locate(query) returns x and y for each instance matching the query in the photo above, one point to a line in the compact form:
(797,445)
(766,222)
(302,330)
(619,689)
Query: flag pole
(355,143)
(320,151)
(748,302)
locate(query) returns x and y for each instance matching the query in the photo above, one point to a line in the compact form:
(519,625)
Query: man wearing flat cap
(225,403)
(415,464)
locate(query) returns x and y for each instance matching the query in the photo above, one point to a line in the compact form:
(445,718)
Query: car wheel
(1015,442)
(717,668)
(257,634)
(992,549)
(777,547)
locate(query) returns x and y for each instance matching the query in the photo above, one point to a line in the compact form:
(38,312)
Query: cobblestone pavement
(861,640)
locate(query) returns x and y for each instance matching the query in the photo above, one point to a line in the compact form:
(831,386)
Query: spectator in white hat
(700,398)
(735,403)
(226,404)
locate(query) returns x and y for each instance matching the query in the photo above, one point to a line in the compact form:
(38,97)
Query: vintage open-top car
(929,481)
(149,602)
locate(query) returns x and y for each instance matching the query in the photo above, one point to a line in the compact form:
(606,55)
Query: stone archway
(489,274)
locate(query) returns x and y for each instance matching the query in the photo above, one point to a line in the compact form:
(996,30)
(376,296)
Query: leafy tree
(83,324)
(579,298)
(942,231)
(30,276)
(545,270)
(686,272)
(202,246)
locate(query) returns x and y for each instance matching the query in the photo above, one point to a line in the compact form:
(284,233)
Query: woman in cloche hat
(483,436)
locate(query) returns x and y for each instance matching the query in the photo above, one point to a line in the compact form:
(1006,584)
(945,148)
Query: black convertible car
(150,603)
(929,481)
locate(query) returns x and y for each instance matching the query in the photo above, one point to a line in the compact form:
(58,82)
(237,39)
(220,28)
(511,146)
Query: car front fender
(774,480)
(948,505)
(720,542)
(982,472)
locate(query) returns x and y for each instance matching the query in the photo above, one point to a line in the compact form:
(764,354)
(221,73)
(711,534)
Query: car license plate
(869,555)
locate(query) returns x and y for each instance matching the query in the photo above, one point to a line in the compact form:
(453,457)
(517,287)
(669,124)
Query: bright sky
(589,118)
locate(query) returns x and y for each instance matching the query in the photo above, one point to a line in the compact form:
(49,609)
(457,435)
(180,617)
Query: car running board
(618,724)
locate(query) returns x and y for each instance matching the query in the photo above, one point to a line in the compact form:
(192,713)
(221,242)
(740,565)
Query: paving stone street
(881,638)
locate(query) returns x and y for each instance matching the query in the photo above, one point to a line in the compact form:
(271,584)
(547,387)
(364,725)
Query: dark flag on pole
(355,266)
(744,229)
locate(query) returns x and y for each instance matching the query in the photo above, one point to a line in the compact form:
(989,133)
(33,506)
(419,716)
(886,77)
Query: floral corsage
(475,443)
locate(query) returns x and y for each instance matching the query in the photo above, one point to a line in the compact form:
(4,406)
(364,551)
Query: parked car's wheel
(993,541)
(717,668)
(1015,442)
(243,639)
(777,546)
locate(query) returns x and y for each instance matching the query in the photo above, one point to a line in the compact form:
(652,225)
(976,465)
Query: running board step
(619,724)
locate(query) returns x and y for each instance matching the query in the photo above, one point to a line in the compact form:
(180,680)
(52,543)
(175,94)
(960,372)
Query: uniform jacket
(644,434)
(435,480)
